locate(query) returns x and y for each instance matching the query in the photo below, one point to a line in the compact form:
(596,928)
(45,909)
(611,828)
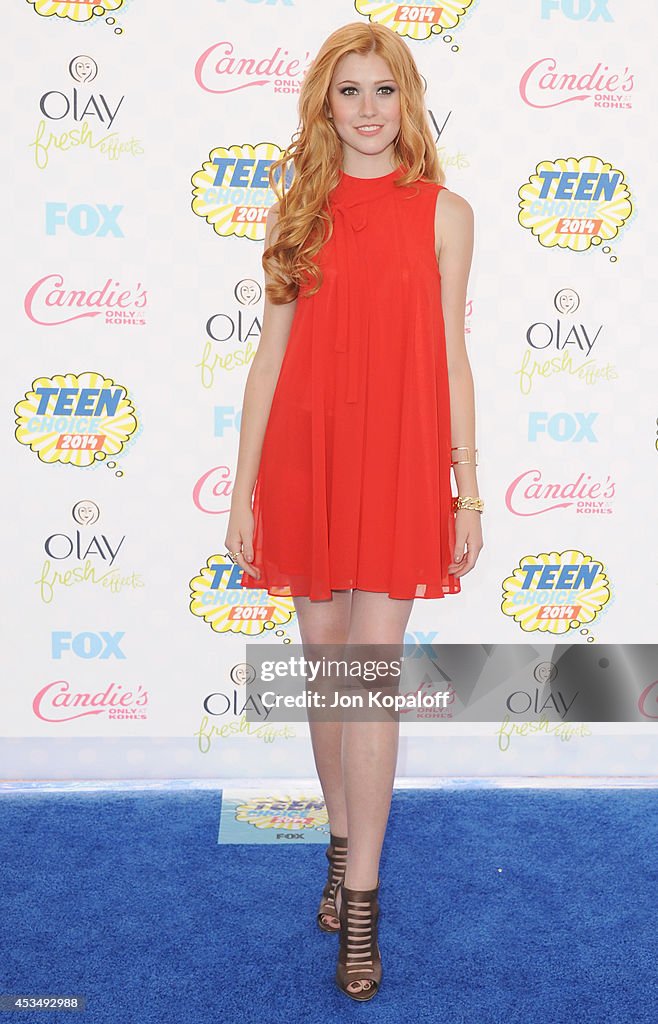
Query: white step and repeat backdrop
(137,137)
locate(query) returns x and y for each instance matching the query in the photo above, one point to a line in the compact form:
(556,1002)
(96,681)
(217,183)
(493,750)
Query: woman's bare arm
(454,237)
(454,232)
(261,383)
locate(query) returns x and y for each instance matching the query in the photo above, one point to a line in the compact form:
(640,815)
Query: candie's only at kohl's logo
(81,11)
(232,190)
(220,70)
(556,592)
(60,701)
(80,116)
(529,494)
(49,303)
(544,84)
(77,419)
(218,597)
(418,21)
(563,346)
(575,203)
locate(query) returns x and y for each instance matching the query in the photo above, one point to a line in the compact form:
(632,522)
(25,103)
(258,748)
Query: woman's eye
(350,88)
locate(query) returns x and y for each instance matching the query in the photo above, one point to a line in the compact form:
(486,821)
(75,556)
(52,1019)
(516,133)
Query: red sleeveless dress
(353,488)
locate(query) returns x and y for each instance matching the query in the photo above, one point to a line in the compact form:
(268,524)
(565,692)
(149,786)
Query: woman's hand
(239,538)
(468,533)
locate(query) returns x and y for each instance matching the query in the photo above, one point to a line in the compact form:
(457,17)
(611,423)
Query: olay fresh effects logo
(232,192)
(232,337)
(531,494)
(81,11)
(225,714)
(84,554)
(421,20)
(78,420)
(575,203)
(220,69)
(49,302)
(555,592)
(218,597)
(564,346)
(80,116)
(545,84)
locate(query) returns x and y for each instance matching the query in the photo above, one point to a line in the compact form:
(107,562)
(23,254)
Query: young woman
(357,404)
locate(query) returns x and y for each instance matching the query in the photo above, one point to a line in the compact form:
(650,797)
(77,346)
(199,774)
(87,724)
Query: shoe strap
(361,895)
(359,949)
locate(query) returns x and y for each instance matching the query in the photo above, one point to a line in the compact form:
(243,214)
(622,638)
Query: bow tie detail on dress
(353,287)
(353,201)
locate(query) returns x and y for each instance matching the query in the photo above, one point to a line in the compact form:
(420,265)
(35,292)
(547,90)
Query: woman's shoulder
(453,219)
(453,205)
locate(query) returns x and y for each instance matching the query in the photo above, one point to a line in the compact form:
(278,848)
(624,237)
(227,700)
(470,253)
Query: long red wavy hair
(304,223)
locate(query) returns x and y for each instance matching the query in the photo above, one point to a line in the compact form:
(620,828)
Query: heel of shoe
(336,854)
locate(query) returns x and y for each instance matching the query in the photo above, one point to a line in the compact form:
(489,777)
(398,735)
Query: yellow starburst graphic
(218,598)
(569,589)
(291,813)
(415,21)
(575,203)
(231,191)
(76,419)
(80,11)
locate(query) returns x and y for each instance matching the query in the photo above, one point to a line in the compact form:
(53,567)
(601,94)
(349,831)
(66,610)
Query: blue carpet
(497,907)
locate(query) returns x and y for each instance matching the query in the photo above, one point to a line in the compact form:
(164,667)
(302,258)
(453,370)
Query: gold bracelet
(464,501)
(460,462)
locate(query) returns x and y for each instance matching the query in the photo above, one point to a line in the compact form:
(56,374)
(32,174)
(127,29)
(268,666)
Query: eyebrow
(351,81)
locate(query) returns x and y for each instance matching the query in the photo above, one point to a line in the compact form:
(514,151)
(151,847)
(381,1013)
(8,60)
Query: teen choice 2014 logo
(232,191)
(75,10)
(76,419)
(416,21)
(555,592)
(575,203)
(291,813)
(217,595)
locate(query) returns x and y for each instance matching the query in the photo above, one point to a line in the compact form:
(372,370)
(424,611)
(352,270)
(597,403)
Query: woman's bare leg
(355,761)
(370,749)
(327,622)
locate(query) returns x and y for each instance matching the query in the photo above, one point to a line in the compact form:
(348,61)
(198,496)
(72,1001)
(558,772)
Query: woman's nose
(367,105)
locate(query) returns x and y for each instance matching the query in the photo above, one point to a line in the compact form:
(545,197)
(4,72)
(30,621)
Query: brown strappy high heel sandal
(336,854)
(359,956)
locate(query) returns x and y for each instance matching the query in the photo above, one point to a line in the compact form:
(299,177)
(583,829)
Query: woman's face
(364,93)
